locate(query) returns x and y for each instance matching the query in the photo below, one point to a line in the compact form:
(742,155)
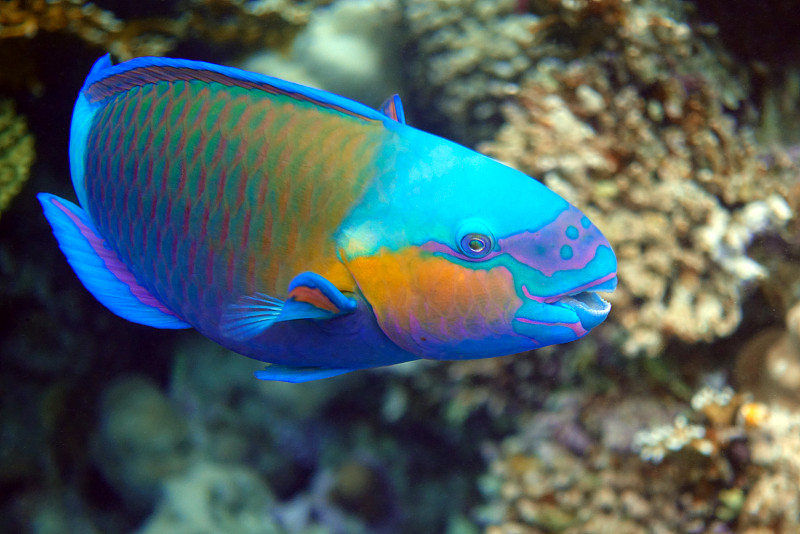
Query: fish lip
(587,304)
(589,307)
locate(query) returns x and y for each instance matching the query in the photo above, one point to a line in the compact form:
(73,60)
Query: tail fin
(99,268)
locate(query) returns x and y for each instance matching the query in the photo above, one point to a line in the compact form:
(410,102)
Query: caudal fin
(100,269)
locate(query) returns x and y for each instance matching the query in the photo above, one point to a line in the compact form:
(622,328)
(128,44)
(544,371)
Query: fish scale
(212,193)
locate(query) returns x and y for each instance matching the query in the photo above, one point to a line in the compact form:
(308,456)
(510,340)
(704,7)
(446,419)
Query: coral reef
(647,141)
(625,107)
(16,153)
(709,469)
(467,56)
(249,24)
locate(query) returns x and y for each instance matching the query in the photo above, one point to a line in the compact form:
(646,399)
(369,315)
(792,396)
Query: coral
(646,141)
(774,497)
(697,474)
(16,153)
(657,442)
(251,24)
(25,18)
(724,414)
(467,57)
(28,18)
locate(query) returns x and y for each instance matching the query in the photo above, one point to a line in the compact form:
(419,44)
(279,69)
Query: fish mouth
(591,308)
(583,301)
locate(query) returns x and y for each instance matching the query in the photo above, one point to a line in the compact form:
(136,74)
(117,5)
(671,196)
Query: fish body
(311,232)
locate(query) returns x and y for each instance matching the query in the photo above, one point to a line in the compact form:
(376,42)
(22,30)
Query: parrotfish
(312,232)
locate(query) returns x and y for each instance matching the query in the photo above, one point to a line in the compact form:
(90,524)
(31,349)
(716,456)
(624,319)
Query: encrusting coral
(16,153)
(644,137)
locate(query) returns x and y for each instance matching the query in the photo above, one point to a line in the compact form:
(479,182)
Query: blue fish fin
(315,290)
(250,315)
(393,108)
(311,296)
(285,373)
(99,268)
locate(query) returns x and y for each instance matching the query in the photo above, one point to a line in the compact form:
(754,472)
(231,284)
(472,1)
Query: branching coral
(646,141)
(16,153)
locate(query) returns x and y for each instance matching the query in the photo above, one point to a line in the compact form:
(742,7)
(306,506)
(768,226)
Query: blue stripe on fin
(101,82)
(393,108)
(99,268)
(285,373)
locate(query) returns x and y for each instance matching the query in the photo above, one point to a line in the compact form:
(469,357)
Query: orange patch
(422,300)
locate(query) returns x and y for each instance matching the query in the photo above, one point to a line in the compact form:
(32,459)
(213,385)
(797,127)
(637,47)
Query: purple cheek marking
(546,250)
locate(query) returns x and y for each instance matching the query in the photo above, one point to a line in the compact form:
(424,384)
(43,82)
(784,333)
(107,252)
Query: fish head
(461,257)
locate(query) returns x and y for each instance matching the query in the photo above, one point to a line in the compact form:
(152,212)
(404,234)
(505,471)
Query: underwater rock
(350,48)
(141,440)
(213,498)
(16,153)
(768,365)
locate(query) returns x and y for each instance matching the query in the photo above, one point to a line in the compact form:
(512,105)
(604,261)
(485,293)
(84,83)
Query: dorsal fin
(106,80)
(393,108)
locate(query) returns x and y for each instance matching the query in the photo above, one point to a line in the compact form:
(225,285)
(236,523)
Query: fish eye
(476,245)
(474,239)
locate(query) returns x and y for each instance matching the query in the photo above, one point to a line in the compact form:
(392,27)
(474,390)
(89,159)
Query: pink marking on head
(536,298)
(541,249)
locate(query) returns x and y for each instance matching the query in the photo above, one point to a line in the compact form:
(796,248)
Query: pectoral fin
(310,297)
